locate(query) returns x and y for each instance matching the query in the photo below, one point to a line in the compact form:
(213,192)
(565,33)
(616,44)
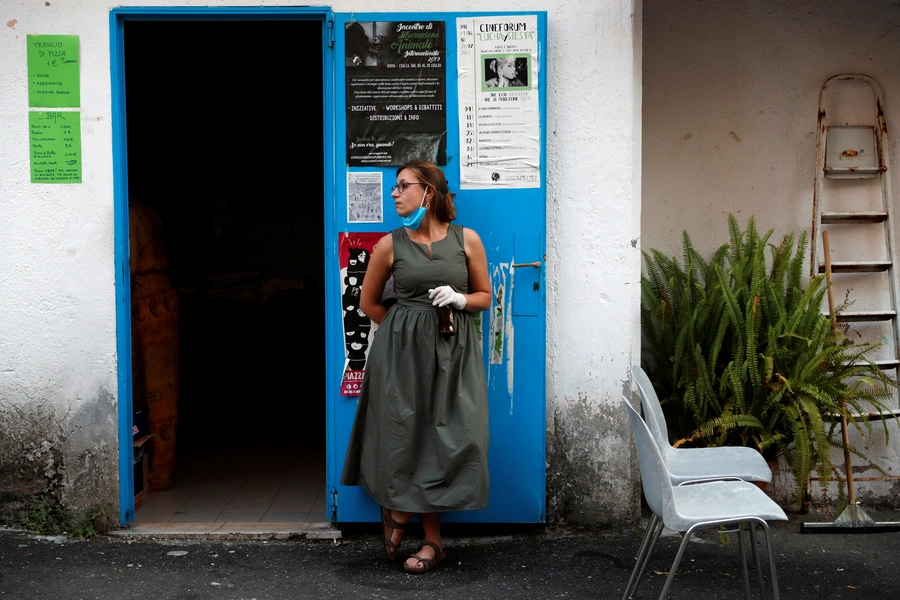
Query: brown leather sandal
(427,564)
(389,524)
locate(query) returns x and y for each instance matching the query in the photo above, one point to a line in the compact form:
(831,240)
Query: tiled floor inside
(255,480)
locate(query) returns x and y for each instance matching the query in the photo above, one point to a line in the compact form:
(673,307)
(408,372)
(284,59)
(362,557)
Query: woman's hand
(444,295)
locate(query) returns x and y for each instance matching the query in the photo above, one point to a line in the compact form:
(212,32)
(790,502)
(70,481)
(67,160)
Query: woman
(507,73)
(419,441)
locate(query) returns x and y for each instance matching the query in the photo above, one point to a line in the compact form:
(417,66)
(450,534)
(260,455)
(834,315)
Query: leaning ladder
(859,152)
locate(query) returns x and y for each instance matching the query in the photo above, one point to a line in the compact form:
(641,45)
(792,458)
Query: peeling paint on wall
(501,325)
(508,332)
(498,289)
(477,320)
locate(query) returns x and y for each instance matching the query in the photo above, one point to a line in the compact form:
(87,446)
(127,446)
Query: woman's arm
(479,296)
(377,275)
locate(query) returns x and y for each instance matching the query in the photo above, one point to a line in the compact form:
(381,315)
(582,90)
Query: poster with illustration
(499,107)
(364,198)
(396,92)
(355,251)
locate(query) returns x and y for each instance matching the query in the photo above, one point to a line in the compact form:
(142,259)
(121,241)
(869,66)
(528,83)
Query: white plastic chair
(693,506)
(691,464)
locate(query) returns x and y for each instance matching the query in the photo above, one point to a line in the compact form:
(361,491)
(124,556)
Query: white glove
(444,295)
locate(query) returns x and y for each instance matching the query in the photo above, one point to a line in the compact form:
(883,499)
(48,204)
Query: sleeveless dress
(419,442)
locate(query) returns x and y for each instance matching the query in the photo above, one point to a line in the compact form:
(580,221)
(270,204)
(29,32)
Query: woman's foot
(393,534)
(428,556)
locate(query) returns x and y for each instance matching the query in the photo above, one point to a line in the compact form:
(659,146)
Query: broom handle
(848,467)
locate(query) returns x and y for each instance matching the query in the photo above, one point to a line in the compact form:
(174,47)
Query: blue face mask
(414,219)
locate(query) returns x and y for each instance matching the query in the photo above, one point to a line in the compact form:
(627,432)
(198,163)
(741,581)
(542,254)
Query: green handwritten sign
(53,71)
(55,139)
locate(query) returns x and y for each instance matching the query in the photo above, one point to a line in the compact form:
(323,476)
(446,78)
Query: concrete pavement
(554,562)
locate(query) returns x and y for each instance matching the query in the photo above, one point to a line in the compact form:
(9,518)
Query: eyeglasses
(401,187)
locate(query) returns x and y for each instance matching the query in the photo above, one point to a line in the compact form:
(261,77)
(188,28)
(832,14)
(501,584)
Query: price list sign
(53,71)
(55,139)
(499,110)
(396,80)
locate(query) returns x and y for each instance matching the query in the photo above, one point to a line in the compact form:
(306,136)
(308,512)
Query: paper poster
(55,140)
(499,110)
(364,198)
(355,250)
(53,71)
(396,92)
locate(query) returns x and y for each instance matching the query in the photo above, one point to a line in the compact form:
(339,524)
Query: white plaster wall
(57,321)
(754,69)
(592,256)
(57,307)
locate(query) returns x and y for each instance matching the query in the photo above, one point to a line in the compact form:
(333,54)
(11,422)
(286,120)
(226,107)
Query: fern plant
(743,354)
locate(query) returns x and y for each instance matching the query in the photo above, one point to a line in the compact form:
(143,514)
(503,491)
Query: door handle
(536,263)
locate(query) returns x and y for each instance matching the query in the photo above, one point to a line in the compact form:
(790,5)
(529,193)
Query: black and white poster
(364,197)
(499,107)
(396,92)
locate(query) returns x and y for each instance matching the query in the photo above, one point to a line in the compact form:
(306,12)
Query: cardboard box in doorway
(141,470)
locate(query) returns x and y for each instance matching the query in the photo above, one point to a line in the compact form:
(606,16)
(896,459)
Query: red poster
(355,250)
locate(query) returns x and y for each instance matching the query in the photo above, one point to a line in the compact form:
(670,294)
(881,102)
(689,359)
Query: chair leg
(755,551)
(651,535)
(650,523)
(746,576)
(678,557)
(640,553)
(771,549)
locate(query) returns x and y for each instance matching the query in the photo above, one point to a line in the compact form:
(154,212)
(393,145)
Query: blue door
(503,202)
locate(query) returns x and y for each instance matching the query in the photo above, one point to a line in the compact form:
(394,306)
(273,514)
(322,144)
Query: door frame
(117,19)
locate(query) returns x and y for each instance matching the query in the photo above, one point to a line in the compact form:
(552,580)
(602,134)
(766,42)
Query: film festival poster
(396,92)
(499,104)
(355,250)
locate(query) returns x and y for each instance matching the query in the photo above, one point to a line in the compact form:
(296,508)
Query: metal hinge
(329,27)
(332,505)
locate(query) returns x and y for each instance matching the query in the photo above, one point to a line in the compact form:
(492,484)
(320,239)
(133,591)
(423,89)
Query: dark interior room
(225,143)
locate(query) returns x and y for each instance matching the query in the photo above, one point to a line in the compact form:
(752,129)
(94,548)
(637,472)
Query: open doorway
(227,149)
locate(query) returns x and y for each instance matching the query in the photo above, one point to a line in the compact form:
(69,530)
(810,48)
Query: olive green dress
(419,442)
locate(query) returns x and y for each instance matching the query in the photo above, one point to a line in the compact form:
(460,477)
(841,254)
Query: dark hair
(433,176)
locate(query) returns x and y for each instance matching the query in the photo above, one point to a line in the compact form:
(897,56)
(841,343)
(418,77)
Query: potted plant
(744,355)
